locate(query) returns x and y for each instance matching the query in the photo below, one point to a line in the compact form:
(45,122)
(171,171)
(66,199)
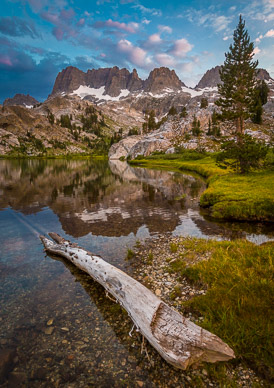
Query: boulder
(122,149)
(148,145)
(7,362)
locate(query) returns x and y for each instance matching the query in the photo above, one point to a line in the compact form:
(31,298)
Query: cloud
(15,26)
(225,38)
(130,27)
(146,21)
(19,73)
(187,67)
(63,22)
(58,33)
(5,60)
(260,37)
(260,10)
(165,60)
(207,19)
(81,22)
(154,39)
(181,47)
(270,34)
(136,55)
(152,11)
(165,29)
(256,51)
(38,5)
(221,23)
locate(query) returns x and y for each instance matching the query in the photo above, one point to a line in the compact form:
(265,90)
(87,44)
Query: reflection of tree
(195,188)
(87,197)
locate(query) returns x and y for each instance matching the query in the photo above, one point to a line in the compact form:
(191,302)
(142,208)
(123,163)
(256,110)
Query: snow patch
(28,106)
(200,92)
(165,92)
(84,91)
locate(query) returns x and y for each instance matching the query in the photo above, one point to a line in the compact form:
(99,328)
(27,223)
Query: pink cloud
(135,54)
(256,51)
(269,34)
(154,39)
(81,22)
(5,60)
(165,60)
(181,47)
(130,27)
(67,14)
(58,33)
(187,67)
(165,29)
(50,17)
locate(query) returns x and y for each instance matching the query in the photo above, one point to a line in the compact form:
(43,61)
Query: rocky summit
(212,78)
(161,79)
(114,81)
(21,99)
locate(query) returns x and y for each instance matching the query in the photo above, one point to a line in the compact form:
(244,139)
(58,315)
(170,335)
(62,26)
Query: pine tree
(196,126)
(204,103)
(263,91)
(184,112)
(209,130)
(238,77)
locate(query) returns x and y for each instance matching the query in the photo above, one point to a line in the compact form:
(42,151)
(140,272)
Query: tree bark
(178,340)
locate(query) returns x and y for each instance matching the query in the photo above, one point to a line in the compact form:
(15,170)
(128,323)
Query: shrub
(242,155)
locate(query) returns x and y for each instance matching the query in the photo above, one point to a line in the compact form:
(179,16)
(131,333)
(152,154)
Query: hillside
(87,112)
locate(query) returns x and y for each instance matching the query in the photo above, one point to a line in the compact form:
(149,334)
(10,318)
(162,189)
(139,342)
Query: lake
(65,330)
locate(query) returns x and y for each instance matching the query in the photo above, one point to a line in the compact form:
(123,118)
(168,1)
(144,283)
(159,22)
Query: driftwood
(178,340)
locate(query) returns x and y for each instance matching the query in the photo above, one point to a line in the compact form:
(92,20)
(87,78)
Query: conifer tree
(209,128)
(196,126)
(238,77)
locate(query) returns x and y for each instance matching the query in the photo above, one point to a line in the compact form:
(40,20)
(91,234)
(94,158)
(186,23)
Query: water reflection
(105,208)
(113,200)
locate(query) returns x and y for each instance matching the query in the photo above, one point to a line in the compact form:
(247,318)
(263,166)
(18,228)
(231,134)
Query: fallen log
(178,340)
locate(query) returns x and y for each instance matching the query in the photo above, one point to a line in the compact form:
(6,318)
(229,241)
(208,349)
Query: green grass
(205,166)
(237,305)
(241,197)
(130,254)
(229,195)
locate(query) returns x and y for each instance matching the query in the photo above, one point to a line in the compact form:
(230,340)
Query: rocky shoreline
(150,260)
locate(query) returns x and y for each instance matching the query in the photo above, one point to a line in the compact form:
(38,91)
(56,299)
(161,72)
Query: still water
(64,329)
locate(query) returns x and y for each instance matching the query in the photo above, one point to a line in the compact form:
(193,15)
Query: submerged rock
(7,362)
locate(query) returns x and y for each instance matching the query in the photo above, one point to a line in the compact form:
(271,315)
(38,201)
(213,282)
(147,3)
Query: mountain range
(104,105)
(112,84)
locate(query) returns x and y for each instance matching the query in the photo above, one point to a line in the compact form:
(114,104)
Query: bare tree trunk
(178,340)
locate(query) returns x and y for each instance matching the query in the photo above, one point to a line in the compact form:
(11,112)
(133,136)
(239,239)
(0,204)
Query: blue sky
(38,38)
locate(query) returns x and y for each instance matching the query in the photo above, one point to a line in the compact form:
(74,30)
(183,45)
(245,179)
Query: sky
(38,38)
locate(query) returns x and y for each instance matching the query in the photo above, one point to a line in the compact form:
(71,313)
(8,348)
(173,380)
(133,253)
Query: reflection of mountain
(140,197)
(87,197)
